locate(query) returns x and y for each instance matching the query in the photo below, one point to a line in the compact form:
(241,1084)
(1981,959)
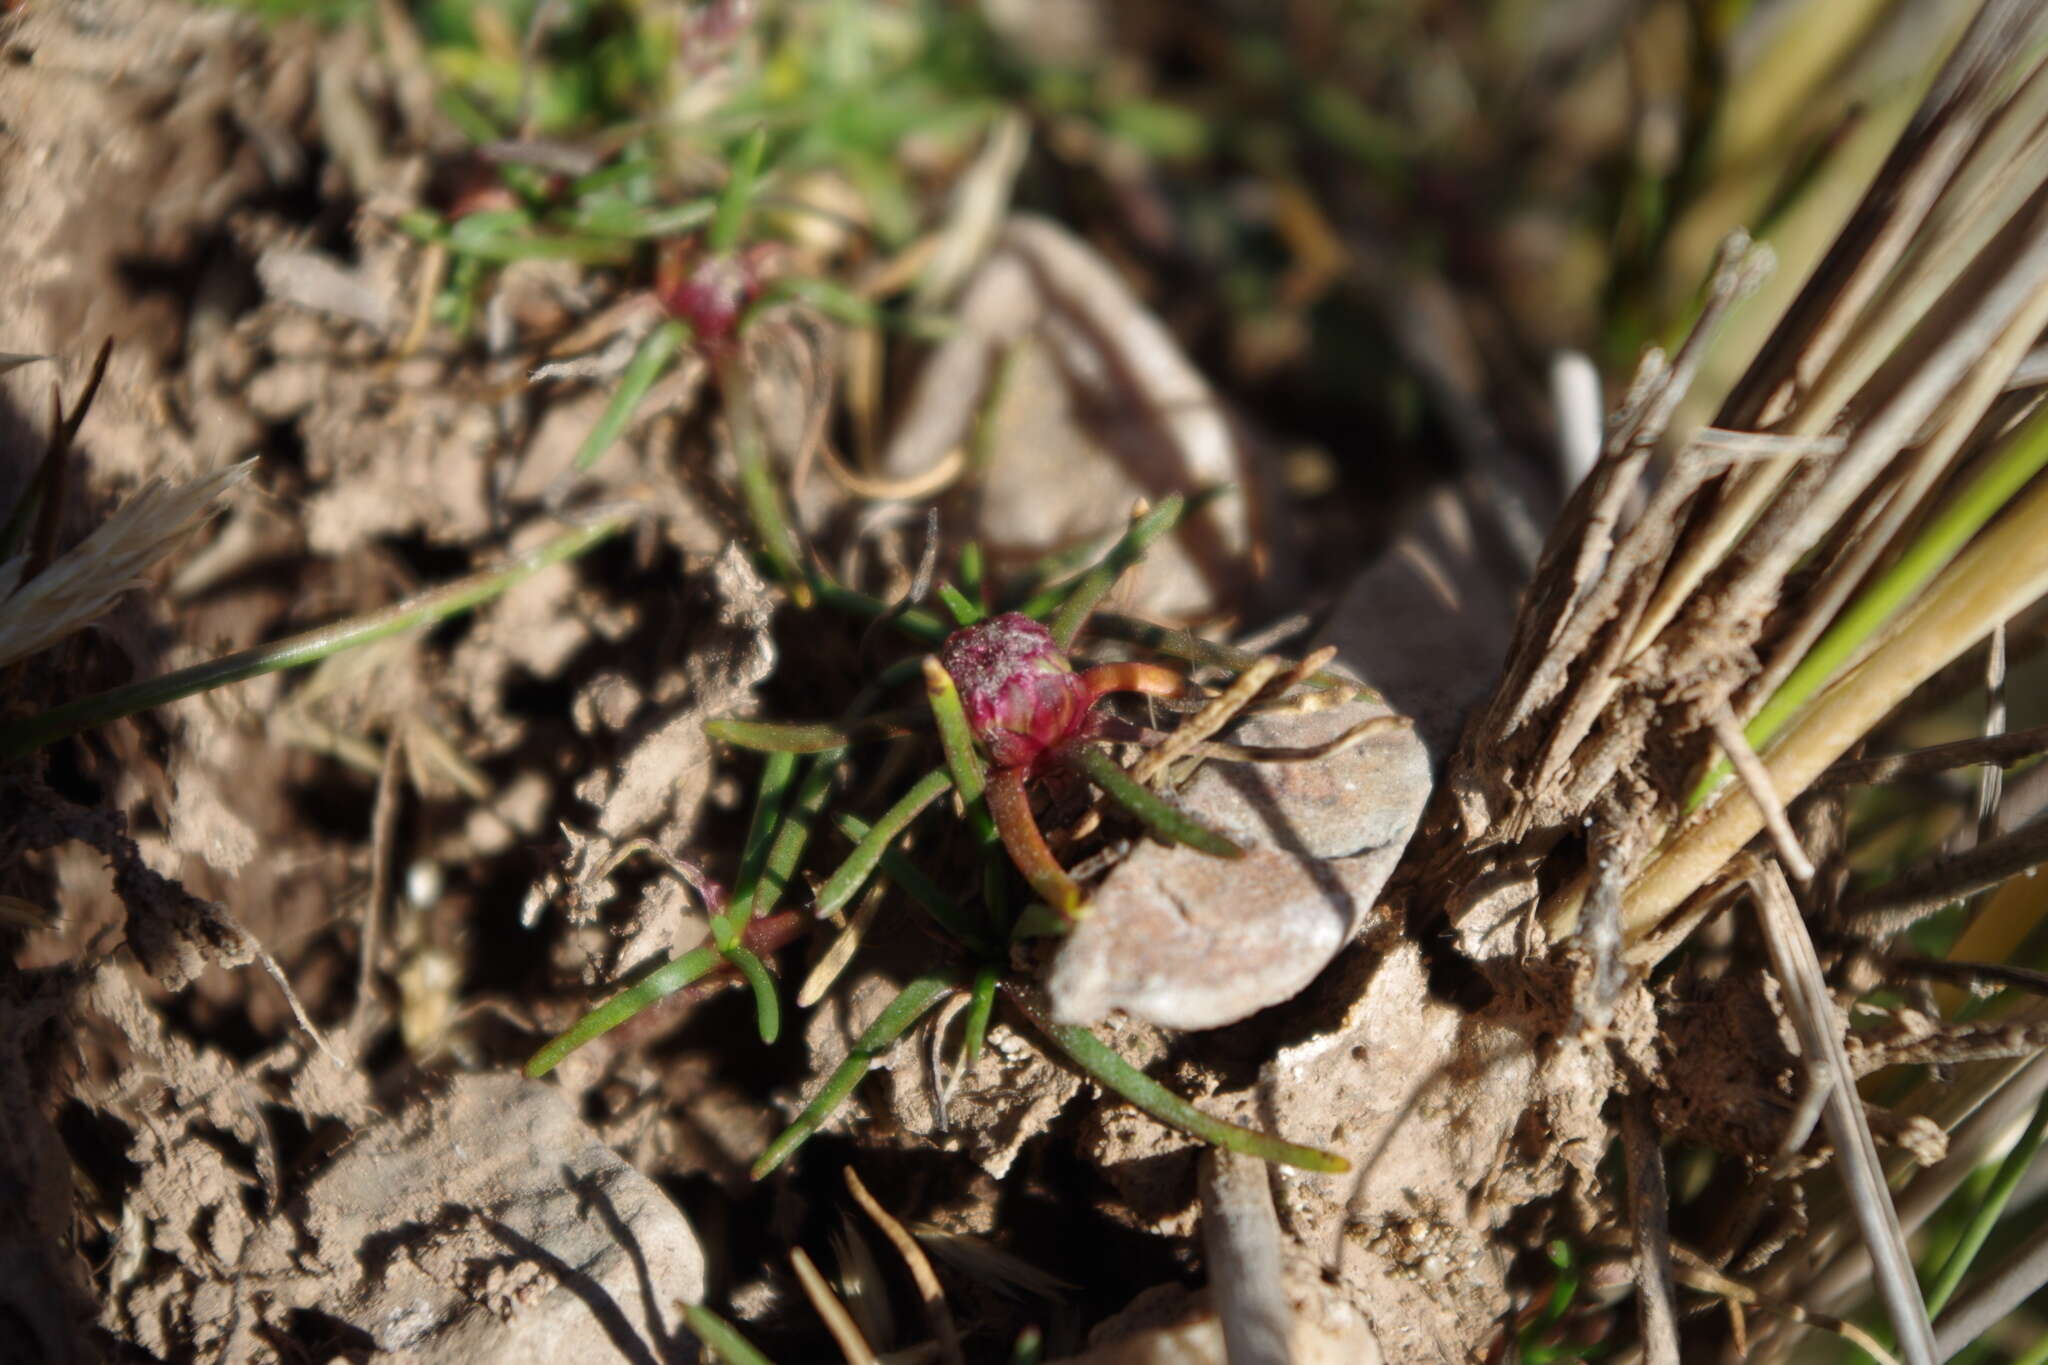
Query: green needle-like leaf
(906,1009)
(1101,1061)
(775,780)
(973,571)
(978,1011)
(757,481)
(656,351)
(297,651)
(767,1007)
(1157,814)
(860,864)
(1086,594)
(813,736)
(762,936)
(920,625)
(795,834)
(964,610)
(956,736)
(720,1335)
(663,981)
(738,196)
(911,880)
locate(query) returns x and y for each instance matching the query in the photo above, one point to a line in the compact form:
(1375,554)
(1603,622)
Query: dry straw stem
(1649,1203)
(79,585)
(838,1321)
(1811,1007)
(1992,581)
(933,1297)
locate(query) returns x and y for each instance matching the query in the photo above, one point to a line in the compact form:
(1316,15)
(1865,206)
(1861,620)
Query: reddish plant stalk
(1010,806)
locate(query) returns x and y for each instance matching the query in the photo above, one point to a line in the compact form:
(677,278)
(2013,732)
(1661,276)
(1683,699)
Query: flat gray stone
(1190,941)
(493,1226)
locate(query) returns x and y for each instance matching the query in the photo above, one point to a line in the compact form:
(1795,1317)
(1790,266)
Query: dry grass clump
(1765,594)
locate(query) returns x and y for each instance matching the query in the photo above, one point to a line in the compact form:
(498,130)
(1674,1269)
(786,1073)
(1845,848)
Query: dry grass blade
(2006,748)
(842,948)
(79,585)
(933,1297)
(1912,896)
(1220,711)
(383,838)
(1979,1110)
(2006,570)
(838,1321)
(1811,1007)
(1754,776)
(1995,1296)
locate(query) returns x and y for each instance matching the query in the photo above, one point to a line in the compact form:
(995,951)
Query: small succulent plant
(1029,711)
(1010,710)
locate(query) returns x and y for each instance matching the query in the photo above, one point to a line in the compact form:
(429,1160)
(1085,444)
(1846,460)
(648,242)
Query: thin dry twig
(2006,748)
(383,834)
(1757,778)
(1912,896)
(936,1313)
(1694,1273)
(1221,710)
(1649,1221)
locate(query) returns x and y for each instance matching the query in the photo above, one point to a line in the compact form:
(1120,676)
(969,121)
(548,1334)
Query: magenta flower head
(1021,695)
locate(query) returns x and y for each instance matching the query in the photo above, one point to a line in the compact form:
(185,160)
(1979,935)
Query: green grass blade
(1086,594)
(813,736)
(1987,1213)
(956,736)
(1960,518)
(531,247)
(860,864)
(906,1009)
(663,981)
(795,834)
(723,1339)
(738,196)
(767,1006)
(1153,811)
(757,480)
(297,651)
(659,348)
(639,222)
(964,610)
(978,1012)
(920,625)
(775,779)
(1101,1061)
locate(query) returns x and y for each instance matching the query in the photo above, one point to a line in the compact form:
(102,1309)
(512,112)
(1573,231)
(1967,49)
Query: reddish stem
(1010,805)
(762,937)
(1153,680)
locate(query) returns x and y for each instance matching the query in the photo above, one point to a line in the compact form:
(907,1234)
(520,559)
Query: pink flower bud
(712,296)
(1021,695)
